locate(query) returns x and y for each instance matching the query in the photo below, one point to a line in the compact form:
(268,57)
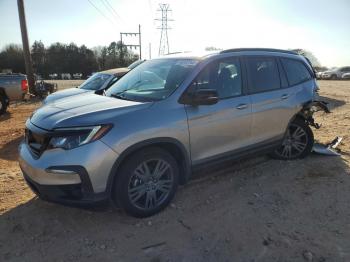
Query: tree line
(66,58)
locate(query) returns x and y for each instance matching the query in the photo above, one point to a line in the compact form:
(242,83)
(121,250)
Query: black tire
(132,182)
(299,141)
(334,77)
(3,105)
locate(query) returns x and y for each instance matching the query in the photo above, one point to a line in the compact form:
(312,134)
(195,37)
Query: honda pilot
(169,116)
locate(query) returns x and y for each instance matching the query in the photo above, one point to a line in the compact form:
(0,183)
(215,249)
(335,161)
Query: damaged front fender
(312,107)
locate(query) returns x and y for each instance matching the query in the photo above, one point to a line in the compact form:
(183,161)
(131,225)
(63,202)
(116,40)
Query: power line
(115,12)
(101,13)
(108,8)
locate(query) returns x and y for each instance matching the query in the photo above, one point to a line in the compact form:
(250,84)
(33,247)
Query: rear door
(272,100)
(217,129)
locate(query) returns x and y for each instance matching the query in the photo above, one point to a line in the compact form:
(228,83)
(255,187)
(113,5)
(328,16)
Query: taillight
(24,85)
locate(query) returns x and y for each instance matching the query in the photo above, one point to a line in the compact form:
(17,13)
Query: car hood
(66,93)
(86,110)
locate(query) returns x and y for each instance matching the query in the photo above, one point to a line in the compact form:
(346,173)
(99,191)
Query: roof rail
(174,53)
(258,49)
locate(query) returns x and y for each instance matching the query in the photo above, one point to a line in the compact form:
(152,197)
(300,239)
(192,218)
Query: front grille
(37,142)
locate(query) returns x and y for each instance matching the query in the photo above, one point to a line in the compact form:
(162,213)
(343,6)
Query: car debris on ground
(329,149)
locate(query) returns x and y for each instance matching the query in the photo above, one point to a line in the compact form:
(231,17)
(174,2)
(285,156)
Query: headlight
(69,138)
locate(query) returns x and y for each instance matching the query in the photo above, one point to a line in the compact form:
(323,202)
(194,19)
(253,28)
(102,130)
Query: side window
(112,82)
(263,74)
(296,71)
(224,76)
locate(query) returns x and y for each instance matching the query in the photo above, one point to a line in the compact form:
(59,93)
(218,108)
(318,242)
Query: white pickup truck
(13,87)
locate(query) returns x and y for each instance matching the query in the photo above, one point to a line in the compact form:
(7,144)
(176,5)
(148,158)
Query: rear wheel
(146,182)
(3,104)
(297,143)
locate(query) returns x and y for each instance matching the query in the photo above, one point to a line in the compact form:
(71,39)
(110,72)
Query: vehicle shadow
(9,151)
(5,116)
(38,230)
(332,102)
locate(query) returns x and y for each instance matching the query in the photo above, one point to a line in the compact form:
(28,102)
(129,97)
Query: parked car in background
(97,83)
(13,87)
(319,75)
(66,76)
(77,75)
(53,76)
(346,76)
(165,118)
(336,73)
(38,77)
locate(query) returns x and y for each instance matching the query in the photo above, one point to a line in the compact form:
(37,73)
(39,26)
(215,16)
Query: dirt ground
(253,210)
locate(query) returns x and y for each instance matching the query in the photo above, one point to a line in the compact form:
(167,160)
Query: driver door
(217,130)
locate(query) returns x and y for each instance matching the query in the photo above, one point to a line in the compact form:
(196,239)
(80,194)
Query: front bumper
(73,194)
(77,176)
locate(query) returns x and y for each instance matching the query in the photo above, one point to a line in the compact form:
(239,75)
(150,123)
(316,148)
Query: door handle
(285,96)
(242,106)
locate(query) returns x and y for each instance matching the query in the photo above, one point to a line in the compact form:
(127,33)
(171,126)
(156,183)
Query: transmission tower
(164,41)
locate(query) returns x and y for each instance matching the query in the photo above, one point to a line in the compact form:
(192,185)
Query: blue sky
(320,26)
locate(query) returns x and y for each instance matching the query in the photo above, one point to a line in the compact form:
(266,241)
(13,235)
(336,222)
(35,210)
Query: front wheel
(146,182)
(297,143)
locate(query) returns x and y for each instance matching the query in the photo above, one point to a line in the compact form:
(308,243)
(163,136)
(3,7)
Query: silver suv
(153,128)
(336,73)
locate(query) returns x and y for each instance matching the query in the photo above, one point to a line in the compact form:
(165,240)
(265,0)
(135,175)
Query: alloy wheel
(295,142)
(150,184)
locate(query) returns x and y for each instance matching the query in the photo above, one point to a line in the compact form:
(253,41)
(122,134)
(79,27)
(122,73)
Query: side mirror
(99,91)
(205,97)
(195,96)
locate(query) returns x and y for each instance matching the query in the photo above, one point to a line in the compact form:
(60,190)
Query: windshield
(152,80)
(135,64)
(95,82)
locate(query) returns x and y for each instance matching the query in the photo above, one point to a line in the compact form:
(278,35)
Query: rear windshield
(95,82)
(152,80)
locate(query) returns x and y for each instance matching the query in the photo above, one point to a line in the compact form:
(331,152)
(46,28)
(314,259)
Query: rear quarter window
(296,71)
(263,74)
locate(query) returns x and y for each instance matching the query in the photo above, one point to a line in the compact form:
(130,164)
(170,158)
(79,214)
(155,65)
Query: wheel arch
(2,92)
(171,145)
(4,98)
(298,115)
(308,109)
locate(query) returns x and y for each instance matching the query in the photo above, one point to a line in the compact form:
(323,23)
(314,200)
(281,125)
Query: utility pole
(131,46)
(26,50)
(164,41)
(140,39)
(150,50)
